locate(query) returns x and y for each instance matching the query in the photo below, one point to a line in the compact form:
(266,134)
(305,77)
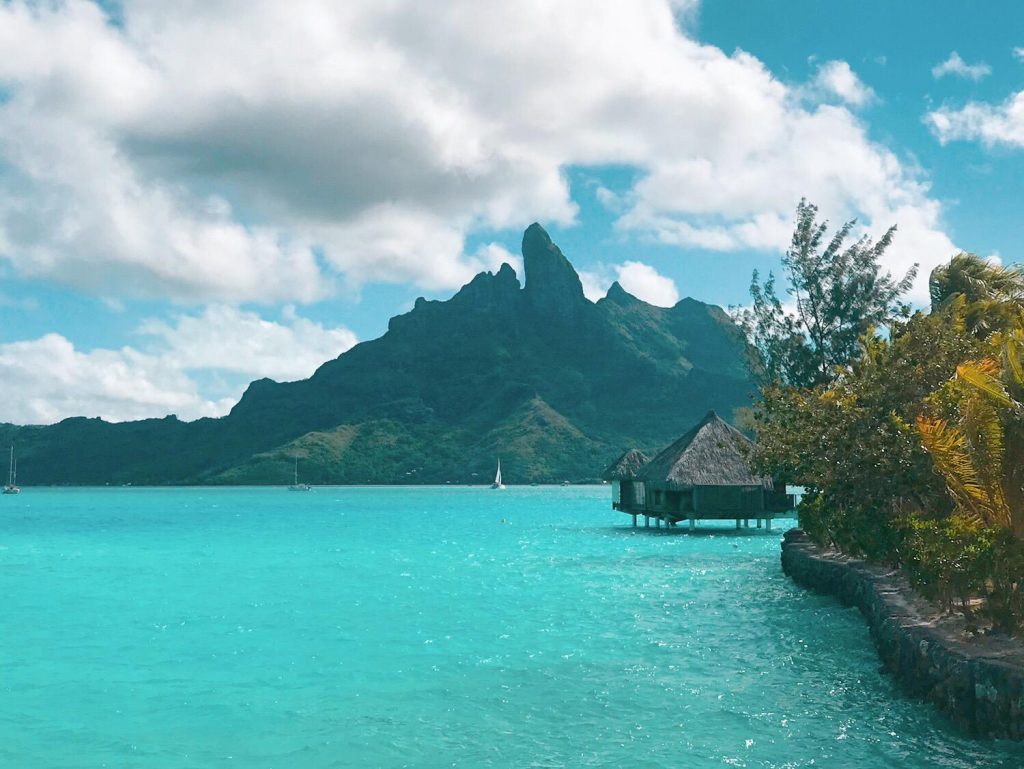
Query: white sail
(12,476)
(296,486)
(497,476)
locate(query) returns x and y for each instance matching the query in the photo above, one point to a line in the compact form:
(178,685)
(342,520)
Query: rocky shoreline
(977,681)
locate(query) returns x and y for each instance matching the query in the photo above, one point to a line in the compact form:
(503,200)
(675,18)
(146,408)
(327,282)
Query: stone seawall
(977,681)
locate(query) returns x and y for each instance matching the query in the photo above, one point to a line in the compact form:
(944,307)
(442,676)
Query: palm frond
(1014,355)
(982,376)
(984,436)
(947,446)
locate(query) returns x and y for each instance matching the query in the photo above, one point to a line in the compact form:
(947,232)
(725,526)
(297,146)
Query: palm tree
(981,455)
(990,292)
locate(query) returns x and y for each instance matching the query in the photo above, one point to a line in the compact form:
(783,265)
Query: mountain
(553,383)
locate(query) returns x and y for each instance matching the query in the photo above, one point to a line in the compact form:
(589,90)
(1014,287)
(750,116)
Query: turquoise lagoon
(427,627)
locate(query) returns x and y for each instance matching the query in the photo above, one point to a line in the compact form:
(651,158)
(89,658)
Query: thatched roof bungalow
(625,467)
(706,474)
(622,474)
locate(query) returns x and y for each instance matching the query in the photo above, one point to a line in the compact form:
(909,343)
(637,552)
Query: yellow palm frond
(985,443)
(1014,356)
(950,451)
(982,376)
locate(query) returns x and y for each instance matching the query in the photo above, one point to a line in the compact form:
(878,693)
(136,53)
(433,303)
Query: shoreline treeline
(906,429)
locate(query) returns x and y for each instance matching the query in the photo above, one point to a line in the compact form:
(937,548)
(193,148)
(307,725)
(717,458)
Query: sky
(201,193)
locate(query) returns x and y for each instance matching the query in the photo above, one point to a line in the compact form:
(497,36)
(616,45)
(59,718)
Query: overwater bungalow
(626,493)
(705,475)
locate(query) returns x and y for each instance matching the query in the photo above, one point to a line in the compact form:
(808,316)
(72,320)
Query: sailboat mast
(10,472)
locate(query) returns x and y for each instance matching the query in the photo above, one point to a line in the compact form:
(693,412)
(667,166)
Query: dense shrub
(949,560)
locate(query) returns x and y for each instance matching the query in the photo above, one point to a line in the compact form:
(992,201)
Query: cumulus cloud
(956,66)
(229,339)
(836,78)
(264,151)
(641,280)
(644,282)
(991,124)
(48,379)
(1018,53)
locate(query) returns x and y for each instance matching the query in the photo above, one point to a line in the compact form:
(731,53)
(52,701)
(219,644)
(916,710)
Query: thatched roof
(625,467)
(711,454)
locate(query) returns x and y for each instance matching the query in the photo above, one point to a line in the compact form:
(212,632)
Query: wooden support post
(634,520)
(769,521)
(657,521)
(746,523)
(647,521)
(737,524)
(759,523)
(693,524)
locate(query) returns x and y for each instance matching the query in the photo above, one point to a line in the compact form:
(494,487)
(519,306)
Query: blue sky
(194,195)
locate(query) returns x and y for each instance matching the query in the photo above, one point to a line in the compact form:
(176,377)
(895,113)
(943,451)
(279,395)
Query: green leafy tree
(838,293)
(853,443)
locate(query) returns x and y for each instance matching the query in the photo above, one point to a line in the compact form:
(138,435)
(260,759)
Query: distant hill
(553,383)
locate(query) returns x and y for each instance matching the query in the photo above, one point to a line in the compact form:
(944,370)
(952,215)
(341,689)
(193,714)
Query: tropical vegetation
(909,439)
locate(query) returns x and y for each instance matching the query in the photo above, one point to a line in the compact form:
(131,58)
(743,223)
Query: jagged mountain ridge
(552,382)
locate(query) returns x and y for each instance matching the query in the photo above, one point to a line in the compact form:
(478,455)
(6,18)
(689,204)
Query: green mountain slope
(551,382)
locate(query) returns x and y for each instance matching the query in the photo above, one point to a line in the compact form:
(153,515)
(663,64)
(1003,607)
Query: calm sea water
(427,628)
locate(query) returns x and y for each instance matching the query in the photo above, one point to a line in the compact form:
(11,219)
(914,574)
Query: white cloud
(229,339)
(595,283)
(48,379)
(991,124)
(1018,53)
(644,282)
(641,280)
(954,65)
(836,78)
(264,151)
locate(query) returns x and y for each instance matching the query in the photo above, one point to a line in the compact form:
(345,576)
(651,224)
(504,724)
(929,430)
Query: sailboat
(497,478)
(296,486)
(12,477)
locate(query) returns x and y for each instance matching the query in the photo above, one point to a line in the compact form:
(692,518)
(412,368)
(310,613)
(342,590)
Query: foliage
(991,291)
(978,444)
(957,561)
(948,559)
(854,443)
(912,449)
(839,295)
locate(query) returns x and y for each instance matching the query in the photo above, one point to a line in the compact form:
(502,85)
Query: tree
(853,444)
(992,292)
(977,444)
(839,294)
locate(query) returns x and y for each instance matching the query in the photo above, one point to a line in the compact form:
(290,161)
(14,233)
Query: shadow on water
(707,531)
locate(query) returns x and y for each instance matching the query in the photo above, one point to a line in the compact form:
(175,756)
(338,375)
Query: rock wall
(977,681)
